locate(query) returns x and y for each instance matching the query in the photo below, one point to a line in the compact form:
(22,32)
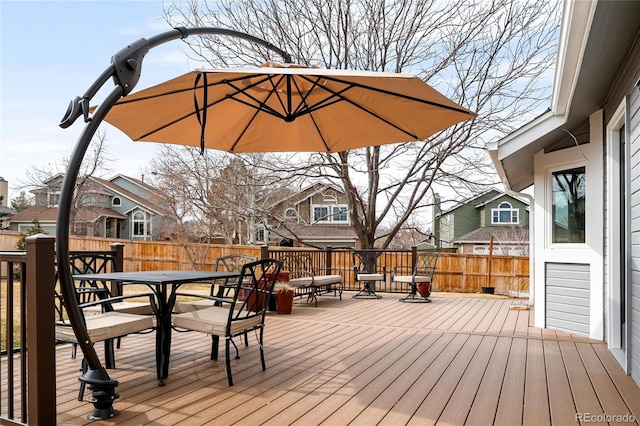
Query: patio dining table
(164,285)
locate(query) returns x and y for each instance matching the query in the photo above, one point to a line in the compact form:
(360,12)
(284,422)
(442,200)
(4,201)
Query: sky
(51,52)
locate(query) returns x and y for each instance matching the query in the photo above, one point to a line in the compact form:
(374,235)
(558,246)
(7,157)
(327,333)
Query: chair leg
(109,354)
(246,338)
(228,360)
(237,350)
(83,367)
(264,366)
(215,341)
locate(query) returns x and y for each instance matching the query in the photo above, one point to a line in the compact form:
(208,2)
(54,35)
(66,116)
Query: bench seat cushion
(315,281)
(412,279)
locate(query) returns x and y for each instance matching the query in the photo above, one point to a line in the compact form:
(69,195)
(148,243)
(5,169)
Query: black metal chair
(91,290)
(367,271)
(230,263)
(241,311)
(420,277)
(103,326)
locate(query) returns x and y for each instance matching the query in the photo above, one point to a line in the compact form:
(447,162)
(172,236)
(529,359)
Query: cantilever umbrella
(276,108)
(267,109)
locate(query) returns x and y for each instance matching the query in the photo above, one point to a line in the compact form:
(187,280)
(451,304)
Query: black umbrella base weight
(103,394)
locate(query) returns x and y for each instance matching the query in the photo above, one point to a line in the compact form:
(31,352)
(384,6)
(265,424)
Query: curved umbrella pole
(125,69)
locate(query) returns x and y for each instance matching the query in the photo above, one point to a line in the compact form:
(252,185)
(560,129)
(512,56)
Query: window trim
(331,214)
(500,209)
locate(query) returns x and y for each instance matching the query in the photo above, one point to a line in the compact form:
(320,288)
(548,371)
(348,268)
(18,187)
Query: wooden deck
(458,360)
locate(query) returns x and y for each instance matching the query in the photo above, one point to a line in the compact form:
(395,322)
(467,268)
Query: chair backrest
(366,261)
(86,262)
(251,298)
(426,263)
(230,263)
(233,262)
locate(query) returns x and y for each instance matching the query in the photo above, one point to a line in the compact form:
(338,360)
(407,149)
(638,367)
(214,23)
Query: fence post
(41,357)
(328,260)
(264,252)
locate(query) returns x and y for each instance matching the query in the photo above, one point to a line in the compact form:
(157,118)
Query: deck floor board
(459,360)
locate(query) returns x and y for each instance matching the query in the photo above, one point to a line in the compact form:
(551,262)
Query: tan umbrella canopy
(277,108)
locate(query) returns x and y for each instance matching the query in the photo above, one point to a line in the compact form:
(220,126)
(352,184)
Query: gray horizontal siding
(633,314)
(567,297)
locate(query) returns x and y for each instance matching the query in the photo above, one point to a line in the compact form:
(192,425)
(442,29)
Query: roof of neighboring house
(595,40)
(504,233)
(304,193)
(49,214)
(147,204)
(301,231)
(482,199)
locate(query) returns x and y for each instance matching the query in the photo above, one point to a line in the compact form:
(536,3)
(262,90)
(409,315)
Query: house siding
(567,297)
(633,315)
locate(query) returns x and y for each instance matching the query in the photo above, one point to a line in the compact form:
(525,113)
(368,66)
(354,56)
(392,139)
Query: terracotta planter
(254,304)
(282,276)
(284,301)
(424,289)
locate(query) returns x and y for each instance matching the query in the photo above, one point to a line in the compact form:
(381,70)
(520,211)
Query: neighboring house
(316,216)
(470,224)
(582,158)
(121,207)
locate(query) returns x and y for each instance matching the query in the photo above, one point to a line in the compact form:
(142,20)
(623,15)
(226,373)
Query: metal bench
(307,281)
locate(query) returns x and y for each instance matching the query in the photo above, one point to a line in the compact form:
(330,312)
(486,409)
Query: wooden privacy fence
(455,272)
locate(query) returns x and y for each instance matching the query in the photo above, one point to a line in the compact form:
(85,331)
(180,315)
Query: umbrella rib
(399,95)
(340,97)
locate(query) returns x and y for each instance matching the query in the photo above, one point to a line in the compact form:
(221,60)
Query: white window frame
(56,201)
(514,214)
(146,223)
(119,202)
(331,214)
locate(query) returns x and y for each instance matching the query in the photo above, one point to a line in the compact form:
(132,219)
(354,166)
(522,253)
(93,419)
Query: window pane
(320,213)
(568,213)
(340,214)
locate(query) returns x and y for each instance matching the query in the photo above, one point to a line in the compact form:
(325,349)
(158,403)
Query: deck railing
(28,392)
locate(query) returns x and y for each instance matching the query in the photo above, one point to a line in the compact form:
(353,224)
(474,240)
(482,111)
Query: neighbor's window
(320,214)
(116,201)
(261,235)
(336,213)
(339,214)
(568,211)
(138,224)
(505,213)
(291,213)
(54,198)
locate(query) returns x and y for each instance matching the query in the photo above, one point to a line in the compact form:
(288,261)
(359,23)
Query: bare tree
(213,196)
(493,57)
(96,162)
